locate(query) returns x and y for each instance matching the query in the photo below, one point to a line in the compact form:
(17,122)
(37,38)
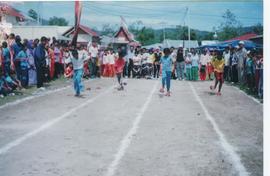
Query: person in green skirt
(188,67)
(195,65)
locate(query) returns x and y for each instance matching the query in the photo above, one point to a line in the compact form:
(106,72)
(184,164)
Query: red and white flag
(78,12)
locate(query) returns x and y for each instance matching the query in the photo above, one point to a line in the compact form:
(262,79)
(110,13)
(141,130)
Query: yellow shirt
(218,65)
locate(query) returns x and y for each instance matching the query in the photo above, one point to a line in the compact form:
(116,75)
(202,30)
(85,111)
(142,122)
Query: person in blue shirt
(24,66)
(16,48)
(166,65)
(40,62)
(6,55)
(250,70)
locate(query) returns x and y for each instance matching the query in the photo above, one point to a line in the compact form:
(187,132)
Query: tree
(33,14)
(58,21)
(146,36)
(107,29)
(230,27)
(183,33)
(258,29)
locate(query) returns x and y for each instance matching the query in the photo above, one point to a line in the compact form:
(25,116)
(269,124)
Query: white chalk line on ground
(252,98)
(128,137)
(49,124)
(234,157)
(31,97)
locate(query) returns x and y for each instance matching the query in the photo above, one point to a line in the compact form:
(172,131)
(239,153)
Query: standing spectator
(40,62)
(234,67)
(241,56)
(203,62)
(157,55)
(32,70)
(226,56)
(57,60)
(52,64)
(93,51)
(180,64)
(195,64)
(260,87)
(209,67)
(250,72)
(24,65)
(16,48)
(188,67)
(129,64)
(106,63)
(111,59)
(6,58)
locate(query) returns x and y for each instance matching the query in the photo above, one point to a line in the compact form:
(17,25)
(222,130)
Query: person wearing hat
(40,62)
(242,56)
(250,71)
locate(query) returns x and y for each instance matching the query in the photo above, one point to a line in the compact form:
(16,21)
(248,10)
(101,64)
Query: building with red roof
(243,37)
(85,34)
(123,38)
(9,14)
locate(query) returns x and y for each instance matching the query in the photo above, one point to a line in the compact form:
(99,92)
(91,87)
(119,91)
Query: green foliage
(258,29)
(146,36)
(58,21)
(230,27)
(32,13)
(108,29)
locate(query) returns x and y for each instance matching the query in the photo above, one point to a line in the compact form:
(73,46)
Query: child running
(119,67)
(166,65)
(218,63)
(77,62)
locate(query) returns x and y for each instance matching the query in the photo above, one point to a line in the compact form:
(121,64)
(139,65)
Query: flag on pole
(78,11)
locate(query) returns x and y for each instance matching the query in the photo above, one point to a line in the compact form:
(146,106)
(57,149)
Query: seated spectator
(69,71)
(12,82)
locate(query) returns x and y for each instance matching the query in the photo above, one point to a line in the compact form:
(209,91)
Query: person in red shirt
(69,71)
(119,67)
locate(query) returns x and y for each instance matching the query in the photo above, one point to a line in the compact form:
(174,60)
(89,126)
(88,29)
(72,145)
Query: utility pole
(188,29)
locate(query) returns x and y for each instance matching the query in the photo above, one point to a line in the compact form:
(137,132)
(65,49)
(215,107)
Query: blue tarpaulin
(222,45)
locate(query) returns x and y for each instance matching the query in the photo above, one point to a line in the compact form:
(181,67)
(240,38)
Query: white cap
(241,42)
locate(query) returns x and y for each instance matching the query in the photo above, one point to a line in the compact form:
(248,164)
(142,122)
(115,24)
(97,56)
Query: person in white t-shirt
(106,63)
(204,58)
(93,52)
(226,56)
(137,60)
(111,59)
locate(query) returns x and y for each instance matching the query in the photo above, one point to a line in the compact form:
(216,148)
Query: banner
(78,11)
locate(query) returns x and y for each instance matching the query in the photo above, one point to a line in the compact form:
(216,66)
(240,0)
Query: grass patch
(19,94)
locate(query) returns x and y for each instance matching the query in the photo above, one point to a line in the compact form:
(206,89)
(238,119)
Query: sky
(157,14)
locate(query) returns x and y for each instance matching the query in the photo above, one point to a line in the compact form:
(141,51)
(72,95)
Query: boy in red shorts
(218,63)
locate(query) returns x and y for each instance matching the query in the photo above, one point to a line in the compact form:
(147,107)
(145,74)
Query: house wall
(32,32)
(9,19)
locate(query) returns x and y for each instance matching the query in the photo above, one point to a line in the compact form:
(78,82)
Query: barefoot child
(166,65)
(77,62)
(119,66)
(218,63)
